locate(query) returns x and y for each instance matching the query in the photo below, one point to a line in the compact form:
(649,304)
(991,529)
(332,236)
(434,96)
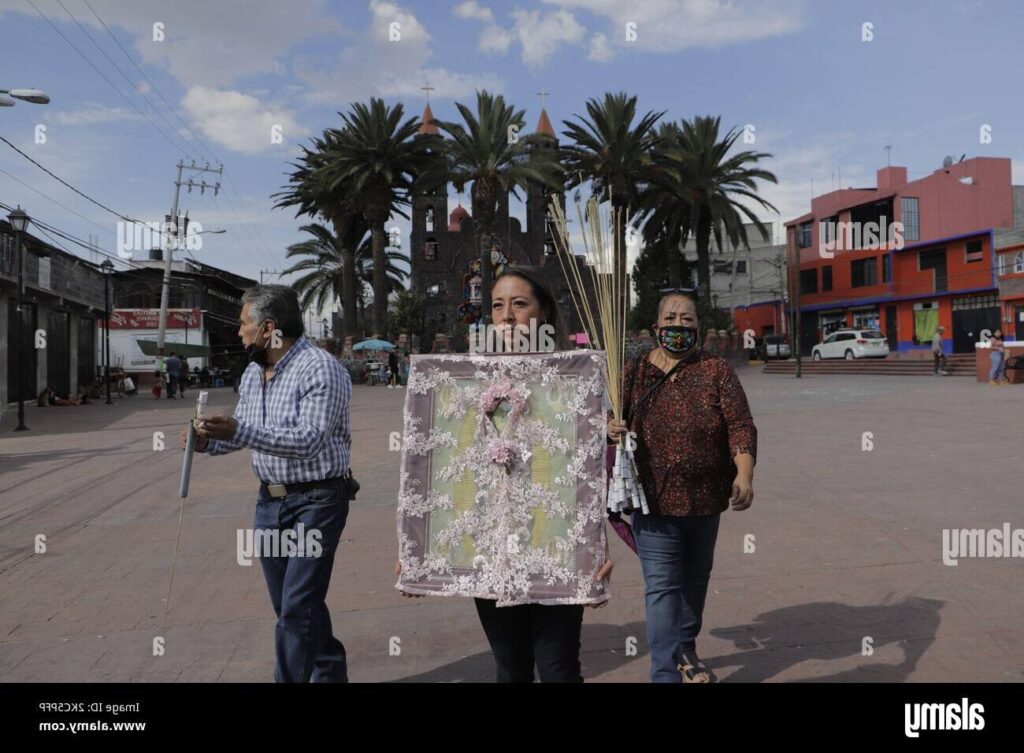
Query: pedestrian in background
(173,364)
(937,355)
(997,370)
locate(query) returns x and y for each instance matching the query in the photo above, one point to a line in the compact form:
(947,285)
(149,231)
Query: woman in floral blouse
(695,448)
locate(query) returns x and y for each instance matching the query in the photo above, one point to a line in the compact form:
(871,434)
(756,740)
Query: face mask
(677,339)
(257,353)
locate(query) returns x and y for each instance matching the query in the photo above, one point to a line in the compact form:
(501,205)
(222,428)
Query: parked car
(851,344)
(774,346)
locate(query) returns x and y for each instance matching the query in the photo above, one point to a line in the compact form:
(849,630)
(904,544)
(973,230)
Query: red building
(908,256)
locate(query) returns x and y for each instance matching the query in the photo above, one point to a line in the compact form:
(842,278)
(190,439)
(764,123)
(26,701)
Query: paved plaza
(845,582)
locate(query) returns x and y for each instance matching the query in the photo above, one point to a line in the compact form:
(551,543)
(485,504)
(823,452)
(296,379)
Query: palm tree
(614,153)
(309,191)
(664,204)
(486,151)
(715,180)
(319,257)
(377,158)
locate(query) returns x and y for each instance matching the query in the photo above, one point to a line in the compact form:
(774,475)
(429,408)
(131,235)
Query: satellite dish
(947,162)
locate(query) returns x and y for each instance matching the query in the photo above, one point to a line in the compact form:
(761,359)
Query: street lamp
(36,97)
(107,269)
(19,221)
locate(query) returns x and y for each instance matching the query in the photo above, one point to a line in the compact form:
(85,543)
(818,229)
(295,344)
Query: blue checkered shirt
(295,423)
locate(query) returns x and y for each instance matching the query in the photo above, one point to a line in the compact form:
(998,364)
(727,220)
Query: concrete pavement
(845,580)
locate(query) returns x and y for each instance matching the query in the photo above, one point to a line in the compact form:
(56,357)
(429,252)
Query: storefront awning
(148,347)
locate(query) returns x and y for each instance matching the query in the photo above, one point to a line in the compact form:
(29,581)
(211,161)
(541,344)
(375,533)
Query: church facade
(445,253)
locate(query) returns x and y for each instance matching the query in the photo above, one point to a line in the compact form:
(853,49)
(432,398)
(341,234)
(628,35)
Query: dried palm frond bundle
(598,289)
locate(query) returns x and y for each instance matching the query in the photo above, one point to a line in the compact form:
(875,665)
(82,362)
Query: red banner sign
(150,318)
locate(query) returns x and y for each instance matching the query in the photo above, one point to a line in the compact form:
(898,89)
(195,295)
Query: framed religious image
(502,485)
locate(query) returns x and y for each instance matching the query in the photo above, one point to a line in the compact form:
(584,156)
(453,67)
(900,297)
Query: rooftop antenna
(888,155)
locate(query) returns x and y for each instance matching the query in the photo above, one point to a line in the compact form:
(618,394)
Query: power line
(85,196)
(103,75)
(123,74)
(254,236)
(62,206)
(156,89)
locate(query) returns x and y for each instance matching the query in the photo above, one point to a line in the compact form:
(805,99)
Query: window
(1018,263)
(831,338)
(826,278)
(935,259)
(864,272)
(910,218)
(843,336)
(880,215)
(808,281)
(887,268)
(973,252)
(721,267)
(827,229)
(430,249)
(741,267)
(430,219)
(803,236)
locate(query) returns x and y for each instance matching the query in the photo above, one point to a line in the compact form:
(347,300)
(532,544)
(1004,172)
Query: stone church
(445,255)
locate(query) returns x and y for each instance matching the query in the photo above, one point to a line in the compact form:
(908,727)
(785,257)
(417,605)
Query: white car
(851,344)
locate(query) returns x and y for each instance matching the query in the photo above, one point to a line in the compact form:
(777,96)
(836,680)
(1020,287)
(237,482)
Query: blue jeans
(676,555)
(304,644)
(997,371)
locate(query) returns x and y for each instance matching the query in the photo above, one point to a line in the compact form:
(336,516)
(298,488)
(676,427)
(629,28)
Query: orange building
(908,256)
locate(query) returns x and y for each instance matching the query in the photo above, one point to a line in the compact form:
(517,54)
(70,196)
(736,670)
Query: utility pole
(169,247)
(794,297)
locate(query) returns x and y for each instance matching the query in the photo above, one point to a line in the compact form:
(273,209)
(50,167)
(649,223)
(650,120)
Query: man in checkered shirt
(292,413)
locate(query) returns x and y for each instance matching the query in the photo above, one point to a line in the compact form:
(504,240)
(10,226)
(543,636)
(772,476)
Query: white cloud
(674,25)
(91,114)
(241,122)
(205,43)
(493,38)
(600,51)
(374,65)
(473,9)
(541,35)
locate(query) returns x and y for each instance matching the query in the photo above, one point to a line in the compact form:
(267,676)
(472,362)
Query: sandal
(694,670)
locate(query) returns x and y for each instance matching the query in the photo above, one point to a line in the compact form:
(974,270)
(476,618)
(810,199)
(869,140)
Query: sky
(823,86)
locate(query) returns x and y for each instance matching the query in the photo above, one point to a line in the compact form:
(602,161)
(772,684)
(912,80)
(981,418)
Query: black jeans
(526,634)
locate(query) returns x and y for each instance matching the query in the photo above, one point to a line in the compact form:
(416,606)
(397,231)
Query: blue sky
(820,98)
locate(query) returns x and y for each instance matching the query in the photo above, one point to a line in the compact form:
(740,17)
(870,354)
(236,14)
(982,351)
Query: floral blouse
(687,433)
